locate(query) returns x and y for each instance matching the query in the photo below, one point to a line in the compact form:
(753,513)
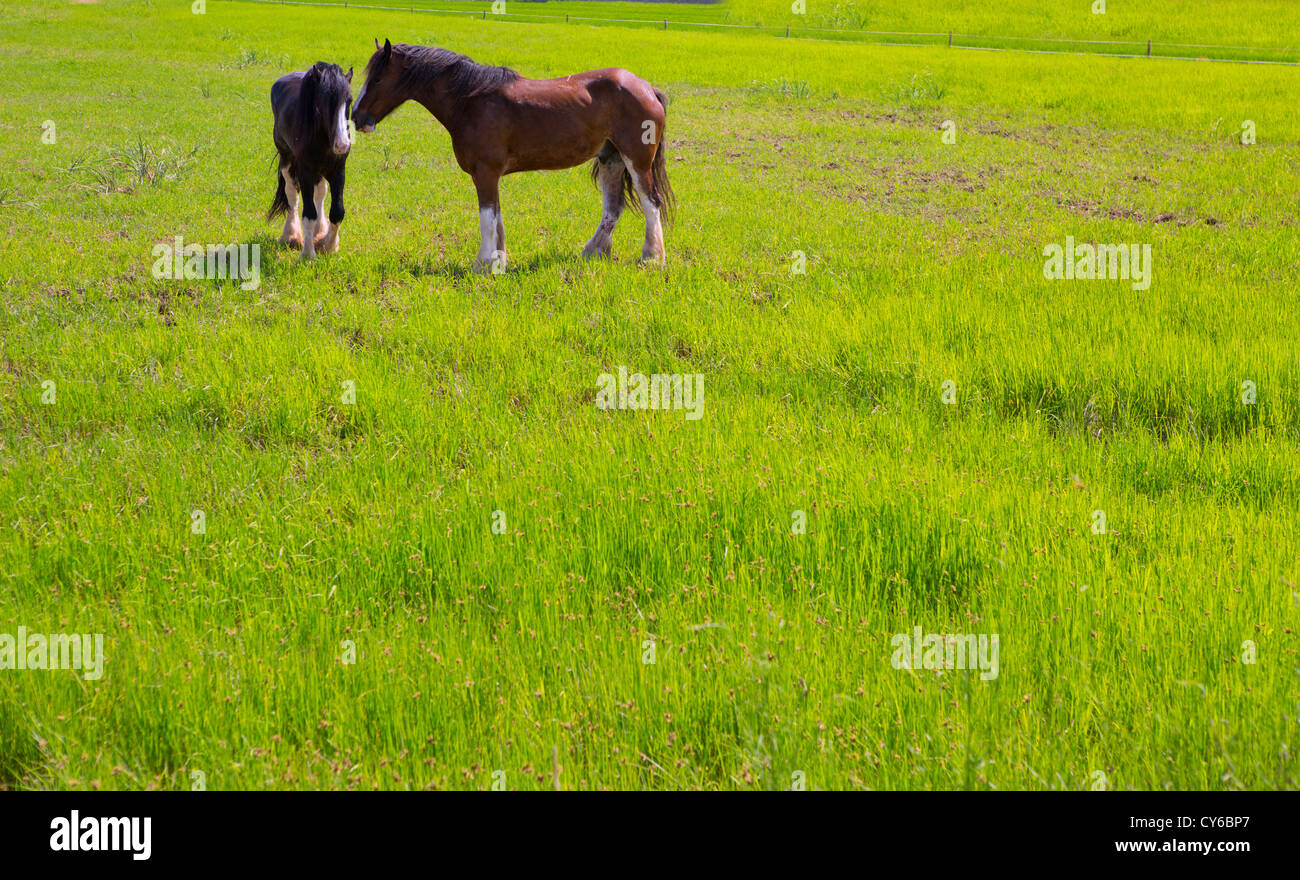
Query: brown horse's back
(577,114)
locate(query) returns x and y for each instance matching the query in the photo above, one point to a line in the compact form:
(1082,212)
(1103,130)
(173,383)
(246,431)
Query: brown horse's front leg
(501,240)
(492,233)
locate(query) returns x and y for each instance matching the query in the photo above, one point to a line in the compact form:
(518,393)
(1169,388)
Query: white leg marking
(318,196)
(487,227)
(308,239)
(292,233)
(653,250)
(330,243)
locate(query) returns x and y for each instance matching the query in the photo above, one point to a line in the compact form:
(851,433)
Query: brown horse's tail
(663,193)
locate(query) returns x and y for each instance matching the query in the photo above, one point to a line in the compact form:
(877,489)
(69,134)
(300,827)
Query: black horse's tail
(279,204)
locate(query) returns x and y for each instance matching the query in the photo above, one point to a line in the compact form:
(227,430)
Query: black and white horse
(311,134)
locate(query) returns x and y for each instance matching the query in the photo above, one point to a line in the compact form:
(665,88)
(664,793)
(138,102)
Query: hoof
(329,244)
(495,266)
(292,239)
(599,246)
(307,255)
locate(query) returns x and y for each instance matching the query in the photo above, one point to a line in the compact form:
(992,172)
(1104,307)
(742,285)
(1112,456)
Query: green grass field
(1159,653)
(1237,30)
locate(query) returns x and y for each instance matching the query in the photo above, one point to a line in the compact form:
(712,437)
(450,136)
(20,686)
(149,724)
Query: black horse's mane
(460,75)
(323,88)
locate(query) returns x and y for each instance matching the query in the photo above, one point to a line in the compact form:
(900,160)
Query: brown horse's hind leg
(608,174)
(643,180)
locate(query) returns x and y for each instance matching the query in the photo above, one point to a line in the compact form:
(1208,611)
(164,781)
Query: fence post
(787,32)
(949,39)
(665,24)
(1148,48)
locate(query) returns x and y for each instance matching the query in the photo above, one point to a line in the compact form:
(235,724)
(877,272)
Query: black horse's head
(325,103)
(378,95)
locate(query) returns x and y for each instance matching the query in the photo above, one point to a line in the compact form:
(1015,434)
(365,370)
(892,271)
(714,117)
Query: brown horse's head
(379,96)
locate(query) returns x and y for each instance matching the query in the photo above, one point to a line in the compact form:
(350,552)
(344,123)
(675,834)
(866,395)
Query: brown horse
(501,122)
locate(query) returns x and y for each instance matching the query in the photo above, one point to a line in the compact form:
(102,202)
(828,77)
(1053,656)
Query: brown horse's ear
(388,49)
(377,43)
(349,76)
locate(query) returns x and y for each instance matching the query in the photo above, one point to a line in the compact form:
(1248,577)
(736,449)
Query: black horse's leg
(311,218)
(318,196)
(330,244)
(292,232)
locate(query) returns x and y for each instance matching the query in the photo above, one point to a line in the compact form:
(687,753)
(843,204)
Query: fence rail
(950,39)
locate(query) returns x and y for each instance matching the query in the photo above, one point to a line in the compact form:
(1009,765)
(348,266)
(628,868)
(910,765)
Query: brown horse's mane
(459,75)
